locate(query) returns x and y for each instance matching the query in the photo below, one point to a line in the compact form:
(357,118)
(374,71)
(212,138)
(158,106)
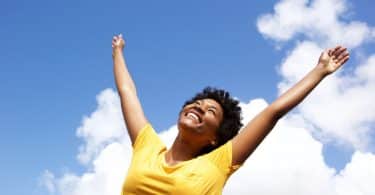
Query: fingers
(343,60)
(330,52)
(117,40)
(338,50)
(343,55)
(114,41)
(339,54)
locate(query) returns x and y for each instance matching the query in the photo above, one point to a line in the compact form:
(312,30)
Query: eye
(213,111)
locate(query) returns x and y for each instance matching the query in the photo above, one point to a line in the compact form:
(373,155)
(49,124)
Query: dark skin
(197,126)
(197,129)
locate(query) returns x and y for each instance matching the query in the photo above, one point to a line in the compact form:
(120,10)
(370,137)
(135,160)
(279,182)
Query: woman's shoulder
(147,137)
(221,157)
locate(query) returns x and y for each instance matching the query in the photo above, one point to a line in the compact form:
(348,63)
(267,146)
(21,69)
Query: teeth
(194,116)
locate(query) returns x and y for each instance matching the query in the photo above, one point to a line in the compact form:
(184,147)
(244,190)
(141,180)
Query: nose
(202,107)
(199,108)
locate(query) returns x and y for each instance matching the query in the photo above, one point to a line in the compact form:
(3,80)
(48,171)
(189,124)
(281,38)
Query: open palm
(332,59)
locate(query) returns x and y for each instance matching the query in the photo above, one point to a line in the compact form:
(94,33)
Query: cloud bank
(341,106)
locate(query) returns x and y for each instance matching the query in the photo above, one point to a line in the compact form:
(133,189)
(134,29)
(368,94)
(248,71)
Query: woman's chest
(155,177)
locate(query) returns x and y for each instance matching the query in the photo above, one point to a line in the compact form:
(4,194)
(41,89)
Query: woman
(207,149)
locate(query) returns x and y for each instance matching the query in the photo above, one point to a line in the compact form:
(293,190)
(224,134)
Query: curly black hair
(231,123)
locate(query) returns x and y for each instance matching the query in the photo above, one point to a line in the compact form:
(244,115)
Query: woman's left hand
(332,59)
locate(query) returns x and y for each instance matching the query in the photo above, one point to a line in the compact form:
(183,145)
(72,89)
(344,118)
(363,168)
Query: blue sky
(56,58)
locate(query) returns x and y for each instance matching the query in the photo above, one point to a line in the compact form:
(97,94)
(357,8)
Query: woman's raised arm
(258,128)
(130,104)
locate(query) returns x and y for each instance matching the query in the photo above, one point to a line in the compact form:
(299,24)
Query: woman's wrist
(320,71)
(116,51)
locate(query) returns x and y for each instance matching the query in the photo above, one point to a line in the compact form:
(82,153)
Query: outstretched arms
(258,128)
(130,105)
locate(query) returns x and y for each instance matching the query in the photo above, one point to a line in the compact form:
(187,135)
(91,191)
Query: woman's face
(200,120)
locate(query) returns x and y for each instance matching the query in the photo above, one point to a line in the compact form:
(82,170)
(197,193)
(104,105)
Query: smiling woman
(218,105)
(208,148)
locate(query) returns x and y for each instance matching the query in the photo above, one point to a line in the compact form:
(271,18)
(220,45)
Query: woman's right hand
(118,42)
(130,105)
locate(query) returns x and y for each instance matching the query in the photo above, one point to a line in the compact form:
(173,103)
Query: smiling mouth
(194,116)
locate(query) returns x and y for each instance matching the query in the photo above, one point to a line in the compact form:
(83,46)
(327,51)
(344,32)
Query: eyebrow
(209,104)
(212,106)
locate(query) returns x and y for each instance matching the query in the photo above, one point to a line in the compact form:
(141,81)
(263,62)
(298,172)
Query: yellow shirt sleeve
(147,139)
(222,158)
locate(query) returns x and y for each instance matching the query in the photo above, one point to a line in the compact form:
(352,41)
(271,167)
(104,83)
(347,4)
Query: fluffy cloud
(290,160)
(341,106)
(358,175)
(328,106)
(318,20)
(102,126)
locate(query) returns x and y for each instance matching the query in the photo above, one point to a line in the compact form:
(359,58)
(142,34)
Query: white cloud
(366,71)
(109,167)
(318,20)
(358,175)
(47,180)
(341,106)
(290,160)
(103,125)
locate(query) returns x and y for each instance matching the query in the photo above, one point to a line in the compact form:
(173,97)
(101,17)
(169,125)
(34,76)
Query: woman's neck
(181,150)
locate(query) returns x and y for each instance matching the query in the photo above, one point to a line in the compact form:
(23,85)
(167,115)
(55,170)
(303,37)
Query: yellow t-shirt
(150,174)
